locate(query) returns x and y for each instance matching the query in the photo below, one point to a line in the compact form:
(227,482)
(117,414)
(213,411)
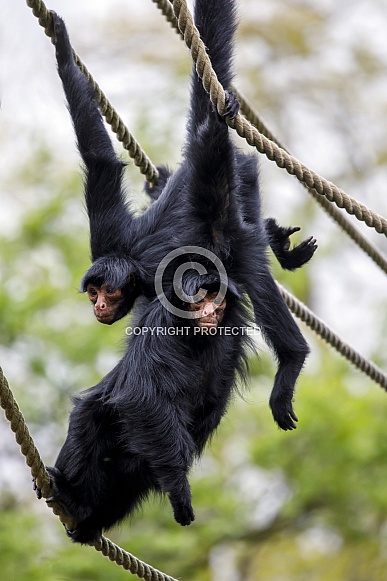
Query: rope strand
(302,312)
(244,129)
(334,212)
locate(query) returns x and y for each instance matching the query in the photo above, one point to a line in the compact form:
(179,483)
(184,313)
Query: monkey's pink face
(106,301)
(209,312)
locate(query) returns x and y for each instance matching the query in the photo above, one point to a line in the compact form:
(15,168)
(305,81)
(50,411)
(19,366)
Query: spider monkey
(139,430)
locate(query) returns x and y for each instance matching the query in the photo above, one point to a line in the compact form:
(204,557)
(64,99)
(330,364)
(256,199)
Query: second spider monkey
(139,429)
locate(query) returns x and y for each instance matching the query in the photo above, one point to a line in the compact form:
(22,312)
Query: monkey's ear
(118,271)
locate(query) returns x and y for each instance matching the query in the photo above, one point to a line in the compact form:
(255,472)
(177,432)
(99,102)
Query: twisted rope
(39,472)
(318,326)
(139,157)
(264,145)
(340,218)
(165,7)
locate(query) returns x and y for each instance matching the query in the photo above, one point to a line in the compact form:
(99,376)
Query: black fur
(140,428)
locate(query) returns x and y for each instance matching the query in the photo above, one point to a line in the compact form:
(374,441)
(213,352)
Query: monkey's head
(209,311)
(112,285)
(211,300)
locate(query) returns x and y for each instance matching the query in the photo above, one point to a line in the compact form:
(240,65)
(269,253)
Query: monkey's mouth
(207,323)
(105,319)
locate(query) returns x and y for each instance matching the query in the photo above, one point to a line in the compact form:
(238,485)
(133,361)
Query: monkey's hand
(301,253)
(283,412)
(64,53)
(279,240)
(231,105)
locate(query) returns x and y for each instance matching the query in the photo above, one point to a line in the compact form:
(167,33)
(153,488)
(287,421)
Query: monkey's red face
(107,302)
(209,312)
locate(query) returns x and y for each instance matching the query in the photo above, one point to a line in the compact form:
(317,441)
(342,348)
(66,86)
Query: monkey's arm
(108,213)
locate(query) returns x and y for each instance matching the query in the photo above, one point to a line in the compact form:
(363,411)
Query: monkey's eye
(92,291)
(110,290)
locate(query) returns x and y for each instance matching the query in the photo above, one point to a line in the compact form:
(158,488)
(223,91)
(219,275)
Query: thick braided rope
(23,437)
(244,129)
(139,157)
(165,7)
(39,472)
(340,218)
(302,312)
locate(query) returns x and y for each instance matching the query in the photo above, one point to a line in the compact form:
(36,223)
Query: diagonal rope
(165,7)
(336,214)
(39,472)
(253,137)
(139,157)
(302,312)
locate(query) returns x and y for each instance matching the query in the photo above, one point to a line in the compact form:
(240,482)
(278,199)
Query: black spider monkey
(139,429)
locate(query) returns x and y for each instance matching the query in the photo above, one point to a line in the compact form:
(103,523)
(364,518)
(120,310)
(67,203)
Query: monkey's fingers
(70,532)
(291,230)
(232,105)
(304,251)
(283,236)
(289,424)
(284,416)
(37,490)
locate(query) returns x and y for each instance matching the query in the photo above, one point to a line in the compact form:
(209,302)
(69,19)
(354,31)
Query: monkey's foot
(184,514)
(182,509)
(84,533)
